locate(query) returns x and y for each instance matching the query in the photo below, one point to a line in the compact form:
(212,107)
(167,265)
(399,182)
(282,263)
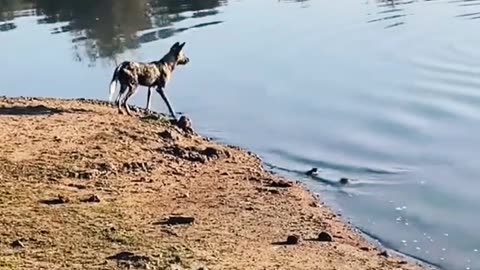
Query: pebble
(383,253)
(325,237)
(93,199)
(17,244)
(179,220)
(293,239)
(185,124)
(168,135)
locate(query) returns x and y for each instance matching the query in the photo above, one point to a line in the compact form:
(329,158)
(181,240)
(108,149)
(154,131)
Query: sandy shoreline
(82,187)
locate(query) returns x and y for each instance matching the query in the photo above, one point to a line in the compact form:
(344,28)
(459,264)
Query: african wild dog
(153,74)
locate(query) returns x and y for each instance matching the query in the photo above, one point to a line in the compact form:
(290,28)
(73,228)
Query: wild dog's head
(177,53)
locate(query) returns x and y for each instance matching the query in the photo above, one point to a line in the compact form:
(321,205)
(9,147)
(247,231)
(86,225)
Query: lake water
(384,92)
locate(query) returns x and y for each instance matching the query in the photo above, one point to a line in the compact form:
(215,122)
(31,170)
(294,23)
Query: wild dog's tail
(113,82)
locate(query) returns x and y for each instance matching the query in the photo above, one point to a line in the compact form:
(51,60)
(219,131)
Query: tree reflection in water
(106,28)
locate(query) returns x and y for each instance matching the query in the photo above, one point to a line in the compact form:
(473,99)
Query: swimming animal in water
(312,172)
(344,181)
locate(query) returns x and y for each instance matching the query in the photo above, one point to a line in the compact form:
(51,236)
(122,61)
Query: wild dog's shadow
(36,110)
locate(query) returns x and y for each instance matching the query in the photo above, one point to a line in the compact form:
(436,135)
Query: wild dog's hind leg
(123,88)
(132,89)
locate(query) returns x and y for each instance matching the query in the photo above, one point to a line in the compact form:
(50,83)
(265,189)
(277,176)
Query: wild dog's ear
(181,45)
(175,45)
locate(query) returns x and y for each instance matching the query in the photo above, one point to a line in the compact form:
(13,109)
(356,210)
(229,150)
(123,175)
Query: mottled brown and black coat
(154,74)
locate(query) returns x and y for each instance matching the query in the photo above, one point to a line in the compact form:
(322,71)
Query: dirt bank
(82,187)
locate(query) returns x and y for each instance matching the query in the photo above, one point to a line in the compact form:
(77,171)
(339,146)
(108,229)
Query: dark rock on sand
(129,260)
(280,184)
(185,124)
(17,244)
(168,135)
(196,154)
(324,237)
(92,199)
(186,154)
(178,220)
(212,152)
(59,200)
(292,240)
(384,253)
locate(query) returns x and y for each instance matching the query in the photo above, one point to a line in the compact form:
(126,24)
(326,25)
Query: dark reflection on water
(104,29)
(9,10)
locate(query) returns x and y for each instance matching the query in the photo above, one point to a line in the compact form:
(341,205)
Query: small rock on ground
(293,240)
(383,253)
(178,220)
(59,200)
(280,184)
(324,237)
(185,124)
(168,135)
(92,199)
(129,260)
(17,244)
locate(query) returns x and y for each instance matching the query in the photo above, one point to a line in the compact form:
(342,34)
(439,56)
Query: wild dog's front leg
(149,100)
(161,91)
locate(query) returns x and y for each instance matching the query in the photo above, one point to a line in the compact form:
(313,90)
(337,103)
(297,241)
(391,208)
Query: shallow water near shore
(385,93)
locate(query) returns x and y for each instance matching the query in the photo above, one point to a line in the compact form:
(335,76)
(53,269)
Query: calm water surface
(384,92)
